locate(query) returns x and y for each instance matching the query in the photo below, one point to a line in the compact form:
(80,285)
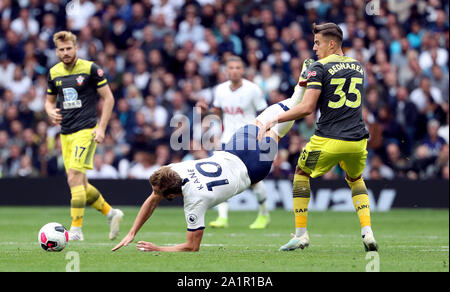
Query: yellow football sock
(360,201)
(301,193)
(77,205)
(96,200)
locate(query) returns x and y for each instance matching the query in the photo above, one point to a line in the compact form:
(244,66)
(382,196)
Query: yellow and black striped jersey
(340,80)
(76,92)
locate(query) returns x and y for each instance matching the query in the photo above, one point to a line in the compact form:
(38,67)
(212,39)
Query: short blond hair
(64,36)
(234,58)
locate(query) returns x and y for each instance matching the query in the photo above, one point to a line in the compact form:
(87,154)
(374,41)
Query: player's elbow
(192,247)
(109,98)
(309,109)
(195,246)
(193,240)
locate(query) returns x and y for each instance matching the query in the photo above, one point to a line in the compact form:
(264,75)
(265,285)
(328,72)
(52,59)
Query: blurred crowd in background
(162,56)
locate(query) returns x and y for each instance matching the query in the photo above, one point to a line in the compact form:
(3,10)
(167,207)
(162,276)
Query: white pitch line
(433,250)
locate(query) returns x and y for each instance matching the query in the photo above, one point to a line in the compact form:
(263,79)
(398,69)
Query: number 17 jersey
(340,79)
(76,92)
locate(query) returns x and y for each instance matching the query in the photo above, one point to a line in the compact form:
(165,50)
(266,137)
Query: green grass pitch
(410,240)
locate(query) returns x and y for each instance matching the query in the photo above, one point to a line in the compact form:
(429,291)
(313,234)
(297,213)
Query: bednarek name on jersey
(340,80)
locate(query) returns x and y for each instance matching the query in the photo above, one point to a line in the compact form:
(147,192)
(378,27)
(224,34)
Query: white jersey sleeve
(259,100)
(217,102)
(194,212)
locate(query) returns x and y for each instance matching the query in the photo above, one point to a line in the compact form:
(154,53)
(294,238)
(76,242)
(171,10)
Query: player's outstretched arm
(306,107)
(144,213)
(192,244)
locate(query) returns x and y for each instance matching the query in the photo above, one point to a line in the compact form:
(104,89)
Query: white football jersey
(239,107)
(208,182)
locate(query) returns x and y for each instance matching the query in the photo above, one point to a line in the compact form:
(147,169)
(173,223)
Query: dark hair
(167,180)
(331,30)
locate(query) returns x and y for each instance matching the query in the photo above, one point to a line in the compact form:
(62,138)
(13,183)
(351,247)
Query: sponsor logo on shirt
(233,110)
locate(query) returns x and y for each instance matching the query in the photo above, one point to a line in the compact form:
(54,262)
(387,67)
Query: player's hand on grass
(124,242)
(146,246)
(98,134)
(55,116)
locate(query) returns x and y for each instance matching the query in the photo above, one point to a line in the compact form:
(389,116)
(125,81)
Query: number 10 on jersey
(207,173)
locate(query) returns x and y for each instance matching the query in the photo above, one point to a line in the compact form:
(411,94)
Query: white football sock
(75,229)
(283,128)
(223,209)
(366,229)
(260,192)
(300,231)
(295,98)
(110,213)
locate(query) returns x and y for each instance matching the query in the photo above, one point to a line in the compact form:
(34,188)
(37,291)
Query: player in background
(335,85)
(238,101)
(74,86)
(207,182)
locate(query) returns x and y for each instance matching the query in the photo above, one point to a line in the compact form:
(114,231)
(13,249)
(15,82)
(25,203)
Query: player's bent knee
(75,177)
(352,179)
(299,171)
